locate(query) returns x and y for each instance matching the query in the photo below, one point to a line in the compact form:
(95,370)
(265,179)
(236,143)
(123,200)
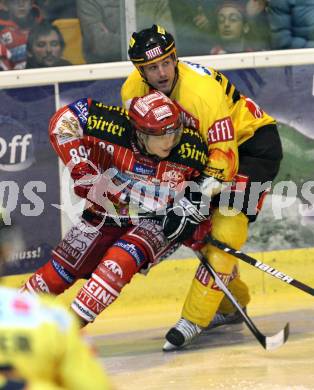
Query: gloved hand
(85,175)
(184,215)
(210,186)
(196,242)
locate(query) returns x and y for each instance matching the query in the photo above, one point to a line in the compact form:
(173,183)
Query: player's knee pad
(51,278)
(230,227)
(103,288)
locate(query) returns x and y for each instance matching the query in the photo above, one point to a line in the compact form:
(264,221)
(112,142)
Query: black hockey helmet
(151,45)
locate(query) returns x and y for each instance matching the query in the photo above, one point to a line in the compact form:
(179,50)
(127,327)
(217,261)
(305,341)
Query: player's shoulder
(198,80)
(108,122)
(111,111)
(134,85)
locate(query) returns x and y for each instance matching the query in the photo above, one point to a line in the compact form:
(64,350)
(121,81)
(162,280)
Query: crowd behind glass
(45,33)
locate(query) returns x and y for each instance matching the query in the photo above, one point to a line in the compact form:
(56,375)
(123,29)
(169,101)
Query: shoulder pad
(110,123)
(80,109)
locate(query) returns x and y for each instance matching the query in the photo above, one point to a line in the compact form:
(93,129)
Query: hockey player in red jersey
(128,168)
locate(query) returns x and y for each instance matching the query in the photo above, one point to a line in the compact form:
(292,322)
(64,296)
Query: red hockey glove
(84,176)
(196,241)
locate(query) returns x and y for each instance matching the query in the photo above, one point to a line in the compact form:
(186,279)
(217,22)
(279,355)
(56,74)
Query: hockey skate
(226,319)
(182,334)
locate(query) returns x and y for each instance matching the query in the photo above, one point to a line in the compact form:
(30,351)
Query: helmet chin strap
(175,79)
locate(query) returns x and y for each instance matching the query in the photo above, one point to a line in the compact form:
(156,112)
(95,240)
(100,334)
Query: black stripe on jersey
(228,88)
(236,95)
(218,77)
(109,123)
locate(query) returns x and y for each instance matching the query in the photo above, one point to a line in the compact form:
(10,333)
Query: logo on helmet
(141,107)
(153,53)
(162,112)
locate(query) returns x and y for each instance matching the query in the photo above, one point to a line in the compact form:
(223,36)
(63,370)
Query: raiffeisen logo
(16,146)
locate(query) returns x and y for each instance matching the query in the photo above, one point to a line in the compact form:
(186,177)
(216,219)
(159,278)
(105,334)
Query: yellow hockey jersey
(42,342)
(247,116)
(204,106)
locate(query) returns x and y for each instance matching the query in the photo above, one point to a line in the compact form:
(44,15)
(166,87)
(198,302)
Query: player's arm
(66,132)
(223,160)
(230,90)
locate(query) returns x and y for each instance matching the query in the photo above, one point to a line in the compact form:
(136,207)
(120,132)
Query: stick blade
(277,340)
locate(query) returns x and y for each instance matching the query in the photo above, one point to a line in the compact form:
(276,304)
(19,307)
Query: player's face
(47,49)
(161,145)
(161,74)
(230,23)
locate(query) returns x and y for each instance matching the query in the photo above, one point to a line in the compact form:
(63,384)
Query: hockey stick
(260,265)
(268,342)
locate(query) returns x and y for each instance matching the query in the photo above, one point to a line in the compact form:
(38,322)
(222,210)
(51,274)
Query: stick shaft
(260,265)
(258,335)
(267,342)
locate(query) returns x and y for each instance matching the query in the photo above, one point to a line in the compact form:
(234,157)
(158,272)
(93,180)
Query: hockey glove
(196,242)
(210,186)
(182,218)
(85,175)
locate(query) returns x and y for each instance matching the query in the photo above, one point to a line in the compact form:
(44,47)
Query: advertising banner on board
(29,177)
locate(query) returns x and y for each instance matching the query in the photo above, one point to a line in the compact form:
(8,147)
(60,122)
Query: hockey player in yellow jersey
(194,87)
(40,344)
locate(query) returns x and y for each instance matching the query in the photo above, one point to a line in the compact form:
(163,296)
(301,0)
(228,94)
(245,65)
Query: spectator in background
(232,28)
(193,26)
(45,47)
(291,23)
(4,14)
(101,31)
(149,12)
(57,9)
(100,20)
(258,19)
(23,16)
(63,14)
